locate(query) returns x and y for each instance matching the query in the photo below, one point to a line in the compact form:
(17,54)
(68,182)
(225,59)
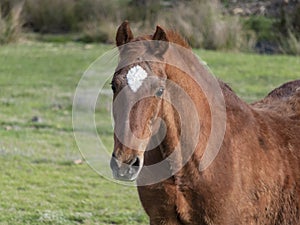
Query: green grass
(252,76)
(40,183)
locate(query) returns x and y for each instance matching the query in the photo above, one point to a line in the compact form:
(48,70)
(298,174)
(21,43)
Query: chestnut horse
(255,177)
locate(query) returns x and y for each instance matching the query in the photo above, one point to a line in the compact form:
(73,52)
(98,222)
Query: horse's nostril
(114,163)
(136,162)
(113,155)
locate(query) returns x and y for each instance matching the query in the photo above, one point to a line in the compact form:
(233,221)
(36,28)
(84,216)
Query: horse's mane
(176,38)
(173,37)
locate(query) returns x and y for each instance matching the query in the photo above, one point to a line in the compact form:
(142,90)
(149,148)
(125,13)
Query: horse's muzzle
(125,171)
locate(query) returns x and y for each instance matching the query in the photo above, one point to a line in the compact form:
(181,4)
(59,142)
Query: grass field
(40,183)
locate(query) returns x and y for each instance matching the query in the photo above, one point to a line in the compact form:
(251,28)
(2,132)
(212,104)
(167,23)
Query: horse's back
(284,100)
(286,90)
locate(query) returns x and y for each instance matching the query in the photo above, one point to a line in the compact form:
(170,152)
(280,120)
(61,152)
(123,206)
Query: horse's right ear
(161,45)
(124,34)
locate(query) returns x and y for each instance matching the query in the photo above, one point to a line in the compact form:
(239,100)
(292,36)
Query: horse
(284,100)
(254,178)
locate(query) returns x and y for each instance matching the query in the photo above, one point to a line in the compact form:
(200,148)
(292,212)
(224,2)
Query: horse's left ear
(161,46)
(160,34)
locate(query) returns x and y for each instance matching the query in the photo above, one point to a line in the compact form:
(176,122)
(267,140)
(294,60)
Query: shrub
(96,10)
(262,26)
(290,44)
(93,18)
(51,16)
(143,11)
(99,20)
(10,22)
(278,33)
(287,28)
(204,25)
(94,31)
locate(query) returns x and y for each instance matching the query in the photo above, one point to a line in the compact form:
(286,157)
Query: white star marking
(135,77)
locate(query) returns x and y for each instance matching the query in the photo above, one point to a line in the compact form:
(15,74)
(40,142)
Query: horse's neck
(182,126)
(187,118)
(233,102)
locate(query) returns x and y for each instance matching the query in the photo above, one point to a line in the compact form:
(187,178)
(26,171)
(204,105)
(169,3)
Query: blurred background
(47,45)
(264,26)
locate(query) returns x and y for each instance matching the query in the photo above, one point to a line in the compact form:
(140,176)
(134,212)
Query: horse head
(138,86)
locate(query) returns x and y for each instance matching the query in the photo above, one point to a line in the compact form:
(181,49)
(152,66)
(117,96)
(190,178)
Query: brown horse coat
(255,178)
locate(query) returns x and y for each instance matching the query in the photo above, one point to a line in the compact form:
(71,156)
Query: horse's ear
(124,34)
(160,47)
(160,34)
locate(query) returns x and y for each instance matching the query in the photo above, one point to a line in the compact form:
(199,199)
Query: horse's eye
(160,92)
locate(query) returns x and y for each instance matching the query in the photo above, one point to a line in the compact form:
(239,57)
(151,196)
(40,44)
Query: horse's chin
(127,178)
